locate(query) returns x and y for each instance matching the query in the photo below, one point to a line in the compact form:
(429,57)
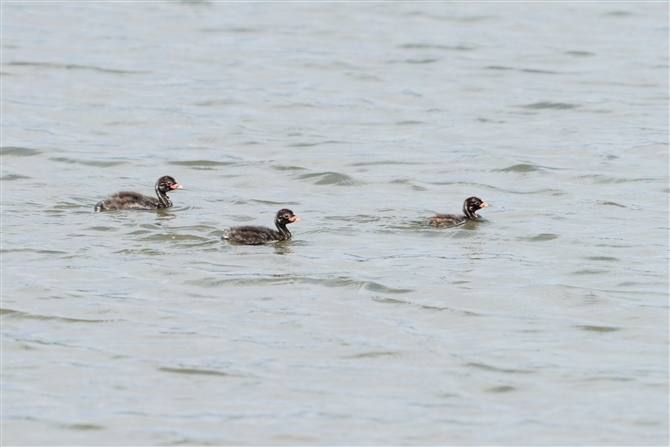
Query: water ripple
(329,178)
(602,329)
(198,372)
(73,67)
(100,164)
(202,164)
(550,105)
(19,151)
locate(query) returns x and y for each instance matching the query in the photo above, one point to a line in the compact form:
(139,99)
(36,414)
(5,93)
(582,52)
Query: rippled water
(544,323)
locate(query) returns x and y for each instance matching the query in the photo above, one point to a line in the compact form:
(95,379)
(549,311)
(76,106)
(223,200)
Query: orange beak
(176,186)
(294,219)
(483,205)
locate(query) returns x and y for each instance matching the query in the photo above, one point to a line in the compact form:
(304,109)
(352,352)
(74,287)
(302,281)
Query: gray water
(544,323)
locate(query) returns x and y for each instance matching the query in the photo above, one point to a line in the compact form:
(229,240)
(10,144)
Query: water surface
(544,323)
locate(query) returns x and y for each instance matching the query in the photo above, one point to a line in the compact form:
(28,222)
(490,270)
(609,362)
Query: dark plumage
(128,200)
(252,235)
(470,206)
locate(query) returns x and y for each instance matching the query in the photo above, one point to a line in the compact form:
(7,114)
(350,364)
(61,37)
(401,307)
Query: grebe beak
(294,219)
(483,205)
(176,186)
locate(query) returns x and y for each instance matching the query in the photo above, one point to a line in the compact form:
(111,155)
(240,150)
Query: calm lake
(543,323)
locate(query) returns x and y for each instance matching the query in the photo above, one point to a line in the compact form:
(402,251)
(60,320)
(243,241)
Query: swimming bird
(253,235)
(128,200)
(470,206)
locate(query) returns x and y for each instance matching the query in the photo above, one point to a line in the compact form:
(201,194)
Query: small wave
(176,238)
(266,202)
(597,178)
(100,164)
(263,280)
(31,316)
(496,369)
(195,371)
(372,355)
(83,427)
(358,219)
(534,70)
(501,389)
(385,162)
(408,183)
(611,204)
(73,67)
(213,282)
(204,165)
(216,102)
(12,177)
(20,151)
(497,67)
(409,123)
(580,53)
(541,237)
(421,61)
(329,178)
(598,328)
(82,202)
(353,284)
(231,29)
(551,105)
(376,287)
(101,228)
(601,258)
(591,272)
(313,143)
(385,300)
(287,168)
(522,167)
(141,251)
(429,46)
(522,70)
(544,192)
